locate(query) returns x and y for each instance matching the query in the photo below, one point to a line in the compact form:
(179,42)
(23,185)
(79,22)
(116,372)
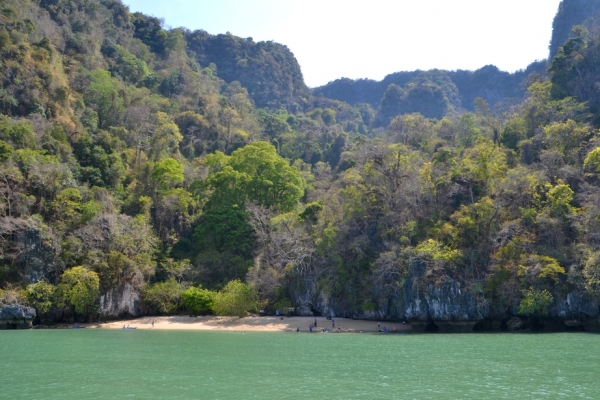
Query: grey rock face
(449,305)
(16,317)
(514,324)
(446,302)
(121,302)
(576,305)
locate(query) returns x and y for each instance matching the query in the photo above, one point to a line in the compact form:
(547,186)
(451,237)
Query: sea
(145,364)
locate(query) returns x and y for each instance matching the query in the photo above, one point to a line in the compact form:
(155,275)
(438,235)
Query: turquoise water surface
(88,363)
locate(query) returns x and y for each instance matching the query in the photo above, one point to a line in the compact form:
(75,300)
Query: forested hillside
(420,89)
(153,170)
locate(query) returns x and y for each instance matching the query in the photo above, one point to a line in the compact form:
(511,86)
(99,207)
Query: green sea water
(88,363)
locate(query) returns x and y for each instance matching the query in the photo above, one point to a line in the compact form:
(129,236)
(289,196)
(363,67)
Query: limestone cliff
(123,301)
(16,316)
(453,306)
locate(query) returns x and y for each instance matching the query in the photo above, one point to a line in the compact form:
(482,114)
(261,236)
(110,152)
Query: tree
(592,161)
(164,296)
(166,137)
(560,197)
(591,272)
(225,229)
(535,303)
(236,299)
(487,119)
(168,173)
(468,133)
(79,288)
(40,295)
(104,97)
(198,300)
(256,173)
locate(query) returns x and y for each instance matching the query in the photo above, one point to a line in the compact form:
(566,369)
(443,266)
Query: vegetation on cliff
(200,171)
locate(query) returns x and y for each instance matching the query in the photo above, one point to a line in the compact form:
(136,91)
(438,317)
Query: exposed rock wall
(450,307)
(121,302)
(16,317)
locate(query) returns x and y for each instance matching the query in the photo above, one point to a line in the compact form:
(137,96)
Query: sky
(355,39)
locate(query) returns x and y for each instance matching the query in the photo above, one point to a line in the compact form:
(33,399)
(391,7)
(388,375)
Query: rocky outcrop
(576,305)
(16,317)
(121,302)
(444,302)
(514,324)
(450,307)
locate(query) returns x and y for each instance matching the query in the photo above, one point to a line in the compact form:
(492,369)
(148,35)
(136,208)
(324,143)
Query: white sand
(256,324)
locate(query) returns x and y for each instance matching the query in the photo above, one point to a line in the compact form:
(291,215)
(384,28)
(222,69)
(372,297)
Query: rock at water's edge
(514,324)
(16,317)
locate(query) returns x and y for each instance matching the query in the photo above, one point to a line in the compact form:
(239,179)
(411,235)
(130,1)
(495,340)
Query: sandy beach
(251,324)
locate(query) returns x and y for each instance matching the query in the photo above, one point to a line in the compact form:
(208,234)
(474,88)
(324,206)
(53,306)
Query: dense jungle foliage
(200,171)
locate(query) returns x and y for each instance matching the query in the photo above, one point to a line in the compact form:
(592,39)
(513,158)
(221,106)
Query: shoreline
(252,324)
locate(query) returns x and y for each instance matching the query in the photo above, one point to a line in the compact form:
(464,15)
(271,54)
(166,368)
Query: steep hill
(136,179)
(489,83)
(268,70)
(570,13)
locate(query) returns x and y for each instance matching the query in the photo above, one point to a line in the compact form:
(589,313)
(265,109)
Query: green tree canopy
(535,303)
(164,297)
(79,288)
(168,173)
(198,300)
(256,173)
(236,299)
(40,296)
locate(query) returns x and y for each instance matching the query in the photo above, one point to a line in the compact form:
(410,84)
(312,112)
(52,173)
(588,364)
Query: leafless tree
(284,249)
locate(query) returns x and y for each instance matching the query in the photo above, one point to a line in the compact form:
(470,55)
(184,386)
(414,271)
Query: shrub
(79,288)
(198,300)
(535,303)
(40,296)
(235,299)
(164,296)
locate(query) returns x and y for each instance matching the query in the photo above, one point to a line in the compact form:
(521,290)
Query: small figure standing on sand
(297,329)
(378,326)
(333,323)
(315,322)
(153,322)
(310,327)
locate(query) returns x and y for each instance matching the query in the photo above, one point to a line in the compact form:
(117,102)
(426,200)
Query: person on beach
(315,322)
(297,329)
(378,326)
(333,323)
(310,327)
(153,322)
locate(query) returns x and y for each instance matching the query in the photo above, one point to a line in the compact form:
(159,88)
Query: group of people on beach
(324,330)
(313,325)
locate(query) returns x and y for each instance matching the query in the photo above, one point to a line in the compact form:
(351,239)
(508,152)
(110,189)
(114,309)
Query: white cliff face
(121,302)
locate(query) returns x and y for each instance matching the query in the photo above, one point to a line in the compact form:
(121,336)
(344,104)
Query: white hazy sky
(370,39)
